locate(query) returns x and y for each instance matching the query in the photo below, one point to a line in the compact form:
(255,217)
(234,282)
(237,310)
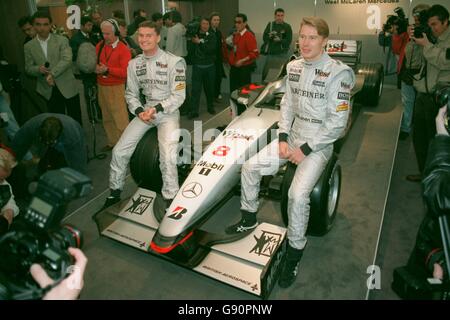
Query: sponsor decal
(294,77)
(318,83)
(205,171)
(336,47)
(227,275)
(296,70)
(322,74)
(154,81)
(254,287)
(344,96)
(141,72)
(161,73)
(177,213)
(208,165)
(140,204)
(310,120)
(308,94)
(237,134)
(140,243)
(342,107)
(345,85)
(180,78)
(179,70)
(180,86)
(192,190)
(161,65)
(266,244)
(221,151)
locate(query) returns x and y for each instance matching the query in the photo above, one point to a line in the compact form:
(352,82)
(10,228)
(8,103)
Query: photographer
(277,40)
(203,70)
(8,206)
(434,42)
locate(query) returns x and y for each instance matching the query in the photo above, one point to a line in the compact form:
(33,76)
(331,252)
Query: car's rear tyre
(324,197)
(373,83)
(144,163)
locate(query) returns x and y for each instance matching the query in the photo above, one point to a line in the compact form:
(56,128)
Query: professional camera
(398,20)
(39,238)
(423,27)
(193,27)
(442,98)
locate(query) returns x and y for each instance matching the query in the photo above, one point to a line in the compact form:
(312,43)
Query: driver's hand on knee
(144,116)
(296,156)
(283,150)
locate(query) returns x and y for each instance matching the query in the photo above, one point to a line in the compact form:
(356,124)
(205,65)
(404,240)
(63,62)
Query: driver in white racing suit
(314,114)
(161,77)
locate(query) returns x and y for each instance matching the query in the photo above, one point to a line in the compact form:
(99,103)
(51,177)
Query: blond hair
(318,23)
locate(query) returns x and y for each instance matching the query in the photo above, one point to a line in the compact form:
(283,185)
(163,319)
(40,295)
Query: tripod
(93,116)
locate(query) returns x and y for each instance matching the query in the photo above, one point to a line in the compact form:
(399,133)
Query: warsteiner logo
(266,244)
(140,204)
(178,213)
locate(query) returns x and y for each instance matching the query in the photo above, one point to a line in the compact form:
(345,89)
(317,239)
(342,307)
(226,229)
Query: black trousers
(59,104)
(202,77)
(91,97)
(240,77)
(218,78)
(424,126)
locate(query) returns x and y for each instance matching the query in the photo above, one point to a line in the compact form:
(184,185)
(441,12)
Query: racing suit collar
(312,64)
(153,57)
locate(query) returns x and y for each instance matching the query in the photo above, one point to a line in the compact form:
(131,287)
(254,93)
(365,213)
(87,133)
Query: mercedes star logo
(192,190)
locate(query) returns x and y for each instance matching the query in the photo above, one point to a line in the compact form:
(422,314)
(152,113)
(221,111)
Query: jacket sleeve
(170,42)
(177,80)
(252,49)
(437,56)
(436,184)
(286,112)
(266,38)
(338,110)
(31,68)
(286,42)
(65,58)
(132,91)
(23,140)
(124,59)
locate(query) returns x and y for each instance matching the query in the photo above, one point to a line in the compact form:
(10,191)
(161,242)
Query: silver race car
(249,261)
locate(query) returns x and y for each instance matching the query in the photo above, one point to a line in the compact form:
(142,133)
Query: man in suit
(49,58)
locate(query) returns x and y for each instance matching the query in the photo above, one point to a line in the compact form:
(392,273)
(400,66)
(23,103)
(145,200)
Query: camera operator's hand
(440,121)
(196,39)
(8,214)
(421,41)
(70,287)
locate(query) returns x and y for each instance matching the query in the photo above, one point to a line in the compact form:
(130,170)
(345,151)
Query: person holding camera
(8,207)
(433,38)
(203,68)
(277,39)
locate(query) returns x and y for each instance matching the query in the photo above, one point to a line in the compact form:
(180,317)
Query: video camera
(423,27)
(398,20)
(442,98)
(39,238)
(193,27)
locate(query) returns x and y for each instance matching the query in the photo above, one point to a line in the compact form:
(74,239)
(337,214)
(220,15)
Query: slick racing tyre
(373,83)
(144,163)
(324,197)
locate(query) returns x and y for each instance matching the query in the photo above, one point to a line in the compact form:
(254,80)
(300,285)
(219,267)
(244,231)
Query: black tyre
(144,163)
(373,83)
(324,197)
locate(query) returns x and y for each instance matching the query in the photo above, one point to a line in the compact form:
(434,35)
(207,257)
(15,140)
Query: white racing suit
(314,114)
(162,79)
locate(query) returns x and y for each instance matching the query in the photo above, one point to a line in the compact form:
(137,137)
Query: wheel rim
(333,191)
(381,86)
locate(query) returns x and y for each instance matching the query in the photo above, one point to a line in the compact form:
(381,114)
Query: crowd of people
(134,78)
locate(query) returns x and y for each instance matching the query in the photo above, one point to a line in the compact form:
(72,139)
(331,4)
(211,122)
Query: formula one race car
(249,261)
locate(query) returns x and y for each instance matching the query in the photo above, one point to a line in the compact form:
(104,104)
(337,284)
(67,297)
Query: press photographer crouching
(434,46)
(426,275)
(41,258)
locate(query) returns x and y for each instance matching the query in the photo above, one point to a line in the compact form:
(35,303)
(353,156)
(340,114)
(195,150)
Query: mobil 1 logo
(207,167)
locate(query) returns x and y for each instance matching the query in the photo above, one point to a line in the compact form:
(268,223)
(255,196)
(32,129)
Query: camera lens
(70,236)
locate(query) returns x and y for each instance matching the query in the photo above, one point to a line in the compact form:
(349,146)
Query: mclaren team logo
(177,213)
(140,204)
(192,190)
(266,244)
